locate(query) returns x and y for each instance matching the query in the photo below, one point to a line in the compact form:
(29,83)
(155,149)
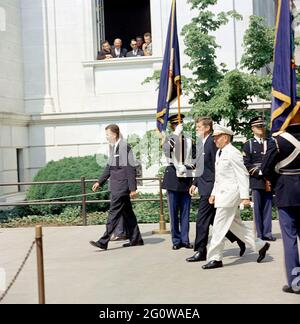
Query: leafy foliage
(258,44)
(67,169)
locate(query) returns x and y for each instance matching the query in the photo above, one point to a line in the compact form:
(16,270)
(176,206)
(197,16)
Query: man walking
(121,172)
(205,182)
(231,187)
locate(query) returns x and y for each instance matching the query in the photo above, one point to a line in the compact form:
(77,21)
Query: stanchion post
(83,192)
(162,223)
(40,263)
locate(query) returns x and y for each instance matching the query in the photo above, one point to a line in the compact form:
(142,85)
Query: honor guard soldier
(253,153)
(281,165)
(179,151)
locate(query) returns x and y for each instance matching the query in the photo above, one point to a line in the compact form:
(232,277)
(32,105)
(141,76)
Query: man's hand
(133,194)
(192,190)
(178,129)
(245,202)
(181,169)
(95,186)
(211,200)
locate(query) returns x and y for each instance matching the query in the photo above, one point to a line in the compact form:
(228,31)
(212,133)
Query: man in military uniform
(231,188)
(281,165)
(253,153)
(179,152)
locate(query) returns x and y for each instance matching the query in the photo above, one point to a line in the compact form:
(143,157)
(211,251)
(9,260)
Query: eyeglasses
(133,44)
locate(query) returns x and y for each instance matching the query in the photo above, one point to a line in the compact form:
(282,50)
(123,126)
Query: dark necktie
(220,152)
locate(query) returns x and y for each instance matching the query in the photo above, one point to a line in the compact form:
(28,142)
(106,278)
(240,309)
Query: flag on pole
(170,74)
(284,100)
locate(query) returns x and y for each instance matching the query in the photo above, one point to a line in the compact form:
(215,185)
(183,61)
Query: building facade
(56,98)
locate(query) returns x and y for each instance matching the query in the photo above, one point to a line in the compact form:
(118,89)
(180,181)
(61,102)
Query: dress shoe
(289,289)
(196,258)
(242,246)
(187,245)
(271,239)
(177,246)
(98,245)
(213,264)
(262,252)
(133,244)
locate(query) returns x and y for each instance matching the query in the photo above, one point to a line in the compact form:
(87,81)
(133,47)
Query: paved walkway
(78,273)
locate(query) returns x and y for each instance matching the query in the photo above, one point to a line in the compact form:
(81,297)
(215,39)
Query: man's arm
(241,174)
(270,159)
(131,170)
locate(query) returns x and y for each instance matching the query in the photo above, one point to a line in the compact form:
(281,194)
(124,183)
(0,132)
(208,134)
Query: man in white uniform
(231,188)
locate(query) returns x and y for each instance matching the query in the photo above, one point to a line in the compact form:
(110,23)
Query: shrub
(67,169)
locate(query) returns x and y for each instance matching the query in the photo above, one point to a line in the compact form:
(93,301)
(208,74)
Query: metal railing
(83,202)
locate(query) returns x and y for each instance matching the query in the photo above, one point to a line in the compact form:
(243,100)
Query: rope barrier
(18,272)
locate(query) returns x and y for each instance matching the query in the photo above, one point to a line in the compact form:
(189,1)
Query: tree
(217,92)
(258,44)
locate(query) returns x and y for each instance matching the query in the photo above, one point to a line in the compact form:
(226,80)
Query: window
(20,168)
(265,9)
(122,19)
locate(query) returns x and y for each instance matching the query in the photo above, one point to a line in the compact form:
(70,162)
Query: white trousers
(228,218)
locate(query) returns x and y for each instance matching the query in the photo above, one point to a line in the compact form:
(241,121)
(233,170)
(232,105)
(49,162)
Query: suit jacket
(101,54)
(286,186)
(139,53)
(205,183)
(123,52)
(253,153)
(120,170)
(231,178)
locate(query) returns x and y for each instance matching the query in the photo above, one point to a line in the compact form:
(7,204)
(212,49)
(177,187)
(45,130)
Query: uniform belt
(289,171)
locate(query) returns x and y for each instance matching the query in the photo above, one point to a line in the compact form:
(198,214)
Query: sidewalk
(76,272)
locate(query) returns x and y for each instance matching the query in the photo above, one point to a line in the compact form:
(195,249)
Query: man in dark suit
(106,52)
(177,183)
(281,165)
(135,51)
(121,172)
(253,152)
(117,49)
(205,182)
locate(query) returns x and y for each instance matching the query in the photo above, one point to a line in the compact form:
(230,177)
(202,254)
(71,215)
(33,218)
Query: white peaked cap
(218,129)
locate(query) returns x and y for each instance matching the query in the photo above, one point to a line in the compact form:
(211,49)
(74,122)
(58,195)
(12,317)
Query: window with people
(140,46)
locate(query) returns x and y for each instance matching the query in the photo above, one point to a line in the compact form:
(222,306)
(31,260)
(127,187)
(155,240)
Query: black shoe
(187,245)
(98,245)
(271,239)
(242,246)
(213,264)
(133,244)
(196,258)
(289,289)
(262,252)
(177,246)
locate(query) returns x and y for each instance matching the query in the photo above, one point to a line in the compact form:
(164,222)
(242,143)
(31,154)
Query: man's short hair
(114,129)
(206,121)
(147,35)
(105,42)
